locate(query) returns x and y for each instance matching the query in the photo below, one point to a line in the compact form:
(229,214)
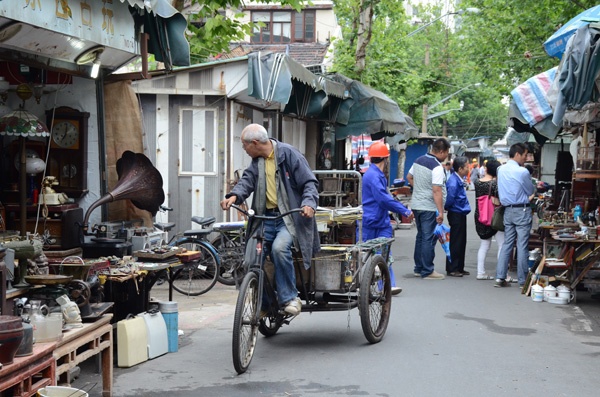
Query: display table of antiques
(27,374)
(79,344)
(571,254)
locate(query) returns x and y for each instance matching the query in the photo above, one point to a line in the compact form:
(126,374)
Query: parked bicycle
(222,257)
(230,244)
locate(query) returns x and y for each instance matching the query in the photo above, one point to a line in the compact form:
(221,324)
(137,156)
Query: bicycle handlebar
(251,214)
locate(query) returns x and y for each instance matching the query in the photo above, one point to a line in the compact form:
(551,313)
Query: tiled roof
(304,53)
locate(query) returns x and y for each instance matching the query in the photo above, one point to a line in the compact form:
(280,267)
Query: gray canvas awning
(368,111)
(277,78)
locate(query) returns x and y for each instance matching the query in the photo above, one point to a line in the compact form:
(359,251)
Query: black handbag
(498,219)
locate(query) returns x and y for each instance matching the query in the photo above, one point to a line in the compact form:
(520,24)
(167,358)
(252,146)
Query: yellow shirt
(270,167)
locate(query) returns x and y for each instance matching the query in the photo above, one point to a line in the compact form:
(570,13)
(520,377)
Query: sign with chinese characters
(104,22)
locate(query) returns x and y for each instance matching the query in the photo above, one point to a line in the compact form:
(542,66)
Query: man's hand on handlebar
(308,212)
(226,203)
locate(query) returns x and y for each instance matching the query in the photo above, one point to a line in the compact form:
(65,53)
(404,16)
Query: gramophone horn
(139,181)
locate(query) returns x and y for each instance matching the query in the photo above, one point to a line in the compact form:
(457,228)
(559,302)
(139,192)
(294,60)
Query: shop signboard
(63,29)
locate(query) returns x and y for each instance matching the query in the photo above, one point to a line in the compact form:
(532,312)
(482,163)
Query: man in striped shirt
(428,179)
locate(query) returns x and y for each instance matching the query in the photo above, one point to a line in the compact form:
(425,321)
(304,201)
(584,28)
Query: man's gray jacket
(300,188)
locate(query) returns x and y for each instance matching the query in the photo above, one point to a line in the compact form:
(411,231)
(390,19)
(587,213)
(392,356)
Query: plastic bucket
(61,391)
(170,313)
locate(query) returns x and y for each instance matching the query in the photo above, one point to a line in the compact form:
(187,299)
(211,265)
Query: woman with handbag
(486,187)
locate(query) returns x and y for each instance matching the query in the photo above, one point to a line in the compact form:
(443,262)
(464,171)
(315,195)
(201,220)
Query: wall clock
(68,150)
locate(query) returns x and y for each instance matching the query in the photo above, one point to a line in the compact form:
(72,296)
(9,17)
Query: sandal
(484,277)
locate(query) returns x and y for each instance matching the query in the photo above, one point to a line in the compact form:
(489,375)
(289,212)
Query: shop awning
(368,111)
(277,78)
(166,27)
(530,109)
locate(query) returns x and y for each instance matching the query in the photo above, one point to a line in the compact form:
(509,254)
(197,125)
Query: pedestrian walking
(428,178)
(458,208)
(474,174)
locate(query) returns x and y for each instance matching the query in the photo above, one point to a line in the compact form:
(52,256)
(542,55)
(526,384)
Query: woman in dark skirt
(483,187)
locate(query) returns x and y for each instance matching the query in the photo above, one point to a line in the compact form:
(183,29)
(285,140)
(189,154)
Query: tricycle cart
(342,277)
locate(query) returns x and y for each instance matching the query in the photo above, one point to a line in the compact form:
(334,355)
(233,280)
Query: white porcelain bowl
(558,300)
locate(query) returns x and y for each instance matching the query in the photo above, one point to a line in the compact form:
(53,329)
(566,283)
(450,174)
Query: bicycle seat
(204,221)
(165,227)
(200,233)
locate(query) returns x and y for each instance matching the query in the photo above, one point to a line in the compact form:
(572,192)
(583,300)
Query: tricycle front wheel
(245,323)
(375,298)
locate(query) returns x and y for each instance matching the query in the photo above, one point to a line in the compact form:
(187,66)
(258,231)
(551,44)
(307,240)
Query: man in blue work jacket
(377,201)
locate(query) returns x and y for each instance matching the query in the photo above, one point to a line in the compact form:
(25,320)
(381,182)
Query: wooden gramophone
(140,182)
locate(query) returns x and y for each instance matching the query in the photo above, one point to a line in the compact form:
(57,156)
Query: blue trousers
(278,244)
(425,242)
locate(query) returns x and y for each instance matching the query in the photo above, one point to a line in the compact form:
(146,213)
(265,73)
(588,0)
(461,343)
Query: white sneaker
(396,290)
(293,307)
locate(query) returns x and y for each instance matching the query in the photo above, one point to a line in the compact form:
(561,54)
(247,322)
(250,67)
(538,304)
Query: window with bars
(277,27)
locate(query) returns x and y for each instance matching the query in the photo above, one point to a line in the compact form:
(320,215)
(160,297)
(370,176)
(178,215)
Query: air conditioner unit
(317,69)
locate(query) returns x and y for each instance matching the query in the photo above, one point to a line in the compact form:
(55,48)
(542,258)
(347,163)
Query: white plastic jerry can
(156,328)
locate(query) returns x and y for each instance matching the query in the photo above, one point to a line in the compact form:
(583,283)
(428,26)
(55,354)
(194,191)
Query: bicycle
(228,248)
(363,282)
(198,273)
(230,244)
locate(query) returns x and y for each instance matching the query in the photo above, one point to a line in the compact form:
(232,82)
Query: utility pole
(424,123)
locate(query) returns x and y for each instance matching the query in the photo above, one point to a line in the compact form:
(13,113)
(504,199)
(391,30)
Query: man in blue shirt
(377,201)
(515,190)
(458,208)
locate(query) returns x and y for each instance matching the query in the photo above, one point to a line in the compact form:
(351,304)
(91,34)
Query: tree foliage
(506,39)
(500,47)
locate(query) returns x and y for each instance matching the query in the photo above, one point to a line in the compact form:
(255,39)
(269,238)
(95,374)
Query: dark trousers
(458,242)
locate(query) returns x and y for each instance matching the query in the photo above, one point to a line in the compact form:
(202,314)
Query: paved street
(458,336)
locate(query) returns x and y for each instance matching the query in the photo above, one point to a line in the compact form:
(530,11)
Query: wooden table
(26,375)
(580,263)
(79,344)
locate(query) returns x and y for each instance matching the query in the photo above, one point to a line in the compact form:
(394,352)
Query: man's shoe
(500,283)
(293,307)
(465,273)
(417,274)
(434,276)
(396,290)
(455,274)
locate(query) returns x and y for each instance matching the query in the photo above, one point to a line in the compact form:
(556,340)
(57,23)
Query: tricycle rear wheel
(375,298)
(245,323)
(269,325)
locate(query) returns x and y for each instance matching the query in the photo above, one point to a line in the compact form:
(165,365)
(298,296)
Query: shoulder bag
(498,219)
(486,206)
